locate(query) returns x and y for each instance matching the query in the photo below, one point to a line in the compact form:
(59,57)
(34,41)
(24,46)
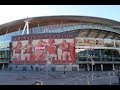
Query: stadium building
(74,41)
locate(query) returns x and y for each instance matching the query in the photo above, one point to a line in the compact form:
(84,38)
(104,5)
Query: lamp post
(47,69)
(92,63)
(92,71)
(48,63)
(3,67)
(46,74)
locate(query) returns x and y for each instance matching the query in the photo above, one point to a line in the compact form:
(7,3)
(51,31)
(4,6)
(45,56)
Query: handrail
(106,73)
(74,79)
(75,26)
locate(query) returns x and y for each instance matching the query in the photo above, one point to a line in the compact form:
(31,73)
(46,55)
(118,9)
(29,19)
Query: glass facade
(4,55)
(7,37)
(4,52)
(99,55)
(97,49)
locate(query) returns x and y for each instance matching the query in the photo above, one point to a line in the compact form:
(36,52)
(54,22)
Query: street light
(48,63)
(92,63)
(3,67)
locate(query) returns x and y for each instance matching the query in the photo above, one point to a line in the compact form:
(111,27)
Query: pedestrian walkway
(54,78)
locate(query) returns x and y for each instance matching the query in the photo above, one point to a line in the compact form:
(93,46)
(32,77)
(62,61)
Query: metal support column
(88,67)
(3,66)
(92,71)
(100,55)
(101,67)
(26,27)
(113,69)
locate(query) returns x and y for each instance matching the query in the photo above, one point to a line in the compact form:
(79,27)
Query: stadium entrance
(4,55)
(101,53)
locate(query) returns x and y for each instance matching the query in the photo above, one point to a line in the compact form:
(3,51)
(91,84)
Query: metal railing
(108,78)
(74,26)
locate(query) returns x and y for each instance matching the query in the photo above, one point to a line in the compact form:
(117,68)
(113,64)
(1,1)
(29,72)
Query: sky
(10,13)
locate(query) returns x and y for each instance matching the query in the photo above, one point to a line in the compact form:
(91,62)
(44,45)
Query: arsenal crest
(40,52)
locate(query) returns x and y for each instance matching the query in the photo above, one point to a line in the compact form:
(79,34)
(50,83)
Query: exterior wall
(40,54)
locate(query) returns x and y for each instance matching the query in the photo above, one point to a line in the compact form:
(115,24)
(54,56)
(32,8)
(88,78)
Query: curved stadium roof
(51,20)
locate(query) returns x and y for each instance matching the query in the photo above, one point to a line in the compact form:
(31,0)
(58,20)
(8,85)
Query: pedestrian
(31,67)
(41,68)
(64,70)
(16,67)
(36,68)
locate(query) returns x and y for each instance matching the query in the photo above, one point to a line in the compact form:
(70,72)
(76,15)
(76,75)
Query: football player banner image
(28,51)
(17,51)
(67,50)
(52,49)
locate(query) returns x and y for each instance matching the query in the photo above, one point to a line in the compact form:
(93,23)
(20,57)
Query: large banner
(57,51)
(96,43)
(89,42)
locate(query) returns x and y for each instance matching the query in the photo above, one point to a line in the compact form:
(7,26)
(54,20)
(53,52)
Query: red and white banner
(61,51)
(89,42)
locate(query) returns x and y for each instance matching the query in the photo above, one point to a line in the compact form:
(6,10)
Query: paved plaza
(57,78)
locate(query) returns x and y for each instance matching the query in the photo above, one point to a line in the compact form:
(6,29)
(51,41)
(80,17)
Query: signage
(45,36)
(38,51)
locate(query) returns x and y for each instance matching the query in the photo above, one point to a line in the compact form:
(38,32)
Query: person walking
(31,67)
(65,69)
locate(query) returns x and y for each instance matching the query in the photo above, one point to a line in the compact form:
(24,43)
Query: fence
(107,78)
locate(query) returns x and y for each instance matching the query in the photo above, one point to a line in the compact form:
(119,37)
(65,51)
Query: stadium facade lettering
(43,36)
